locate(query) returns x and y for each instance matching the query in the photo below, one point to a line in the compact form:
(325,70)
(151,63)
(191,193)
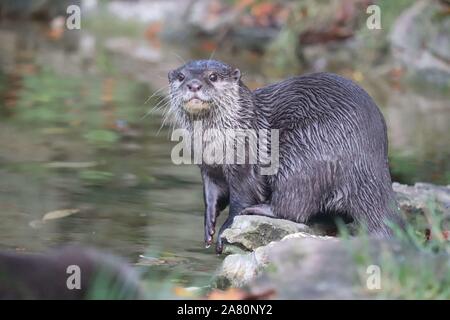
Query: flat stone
(251,232)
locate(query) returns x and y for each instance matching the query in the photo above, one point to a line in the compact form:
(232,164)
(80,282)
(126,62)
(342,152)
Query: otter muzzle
(195,106)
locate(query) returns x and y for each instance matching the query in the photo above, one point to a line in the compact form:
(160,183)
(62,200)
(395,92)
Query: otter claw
(208,239)
(219,246)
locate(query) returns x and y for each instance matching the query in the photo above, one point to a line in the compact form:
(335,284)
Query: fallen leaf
(55,34)
(153,31)
(149,261)
(229,294)
(262,9)
(57,214)
(238,294)
(190,292)
(208,46)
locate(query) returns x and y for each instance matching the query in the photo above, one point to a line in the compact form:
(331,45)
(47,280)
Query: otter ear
(171,75)
(236,75)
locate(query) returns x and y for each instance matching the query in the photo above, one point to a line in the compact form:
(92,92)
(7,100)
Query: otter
(332,147)
(52,275)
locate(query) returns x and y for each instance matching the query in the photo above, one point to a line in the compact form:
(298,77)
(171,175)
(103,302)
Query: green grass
(419,270)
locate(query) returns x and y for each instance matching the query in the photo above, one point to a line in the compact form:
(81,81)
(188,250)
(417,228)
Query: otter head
(202,85)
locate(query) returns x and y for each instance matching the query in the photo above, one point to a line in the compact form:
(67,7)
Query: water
(72,136)
(78,140)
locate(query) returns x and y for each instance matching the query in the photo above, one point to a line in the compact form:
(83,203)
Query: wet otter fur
(332,147)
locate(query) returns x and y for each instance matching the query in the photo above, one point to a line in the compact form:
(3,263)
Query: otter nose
(194,85)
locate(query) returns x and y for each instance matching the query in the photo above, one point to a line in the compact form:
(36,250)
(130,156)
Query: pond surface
(73,136)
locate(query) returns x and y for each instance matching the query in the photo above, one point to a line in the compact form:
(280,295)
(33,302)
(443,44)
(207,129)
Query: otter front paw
(210,229)
(219,245)
(226,224)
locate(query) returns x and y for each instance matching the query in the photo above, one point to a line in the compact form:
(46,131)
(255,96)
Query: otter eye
(213,77)
(180,77)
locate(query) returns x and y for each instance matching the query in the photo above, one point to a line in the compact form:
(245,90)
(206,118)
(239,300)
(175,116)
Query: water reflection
(74,137)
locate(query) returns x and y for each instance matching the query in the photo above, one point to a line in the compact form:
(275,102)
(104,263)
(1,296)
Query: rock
(239,269)
(305,267)
(421,41)
(138,50)
(317,268)
(146,11)
(422,199)
(321,37)
(251,232)
(201,19)
(321,266)
(341,269)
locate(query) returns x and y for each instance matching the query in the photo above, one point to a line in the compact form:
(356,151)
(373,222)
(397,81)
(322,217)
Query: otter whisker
(162,124)
(179,57)
(163,103)
(155,93)
(211,55)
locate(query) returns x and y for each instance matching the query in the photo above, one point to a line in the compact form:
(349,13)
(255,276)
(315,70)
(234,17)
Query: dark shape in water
(46,276)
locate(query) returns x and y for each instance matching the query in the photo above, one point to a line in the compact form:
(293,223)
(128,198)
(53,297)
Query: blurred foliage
(82,102)
(76,115)
(103,24)
(328,21)
(96,177)
(426,278)
(376,42)
(100,137)
(411,168)
(106,286)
